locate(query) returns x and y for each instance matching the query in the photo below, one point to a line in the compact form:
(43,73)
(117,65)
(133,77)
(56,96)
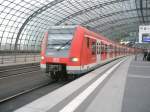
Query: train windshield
(59,39)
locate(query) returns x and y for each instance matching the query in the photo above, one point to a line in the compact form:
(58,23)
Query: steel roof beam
(39,11)
(88,10)
(128,29)
(147,9)
(118,20)
(125,29)
(109,15)
(141,9)
(124,24)
(136,5)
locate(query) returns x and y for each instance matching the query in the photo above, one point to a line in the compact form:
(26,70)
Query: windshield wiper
(63,45)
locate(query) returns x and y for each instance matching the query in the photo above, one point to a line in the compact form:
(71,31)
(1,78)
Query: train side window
(99,48)
(105,48)
(102,47)
(108,48)
(93,48)
(88,42)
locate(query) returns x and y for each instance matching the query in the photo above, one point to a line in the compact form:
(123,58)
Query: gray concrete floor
(110,96)
(137,90)
(126,90)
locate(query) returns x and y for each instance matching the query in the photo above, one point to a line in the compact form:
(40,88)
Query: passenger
(145,55)
(148,56)
(135,55)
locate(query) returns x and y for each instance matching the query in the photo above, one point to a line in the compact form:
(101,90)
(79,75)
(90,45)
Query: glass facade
(24,22)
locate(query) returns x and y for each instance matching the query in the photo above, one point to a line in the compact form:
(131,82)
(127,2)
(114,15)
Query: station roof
(23,22)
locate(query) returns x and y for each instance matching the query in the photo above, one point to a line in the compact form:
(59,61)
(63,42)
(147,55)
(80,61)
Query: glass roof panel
(24,22)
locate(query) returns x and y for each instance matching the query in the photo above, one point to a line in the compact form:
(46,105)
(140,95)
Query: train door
(108,51)
(91,50)
(98,51)
(103,51)
(89,47)
(115,51)
(93,58)
(111,51)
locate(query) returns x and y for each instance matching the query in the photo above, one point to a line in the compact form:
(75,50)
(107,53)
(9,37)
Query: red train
(73,50)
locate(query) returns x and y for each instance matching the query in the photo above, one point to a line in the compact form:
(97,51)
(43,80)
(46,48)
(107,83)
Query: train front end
(55,53)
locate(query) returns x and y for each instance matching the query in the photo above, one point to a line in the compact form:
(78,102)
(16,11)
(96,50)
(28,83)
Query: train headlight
(74,59)
(42,57)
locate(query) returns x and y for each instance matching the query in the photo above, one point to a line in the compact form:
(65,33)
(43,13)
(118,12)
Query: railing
(18,57)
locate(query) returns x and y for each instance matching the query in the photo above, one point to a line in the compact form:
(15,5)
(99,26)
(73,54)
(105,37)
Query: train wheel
(73,76)
(54,76)
(64,77)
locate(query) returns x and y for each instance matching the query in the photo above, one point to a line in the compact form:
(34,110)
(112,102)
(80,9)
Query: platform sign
(144,34)
(146,37)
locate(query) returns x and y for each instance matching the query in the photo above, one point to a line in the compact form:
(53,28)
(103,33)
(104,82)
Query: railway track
(23,92)
(10,96)
(22,71)
(18,100)
(40,86)
(30,72)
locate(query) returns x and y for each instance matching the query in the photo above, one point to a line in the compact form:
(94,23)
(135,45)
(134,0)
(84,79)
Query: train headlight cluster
(74,59)
(42,57)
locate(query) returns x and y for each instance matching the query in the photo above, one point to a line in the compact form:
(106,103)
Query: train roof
(63,27)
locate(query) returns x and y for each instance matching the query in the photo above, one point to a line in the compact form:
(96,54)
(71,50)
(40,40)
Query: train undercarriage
(58,72)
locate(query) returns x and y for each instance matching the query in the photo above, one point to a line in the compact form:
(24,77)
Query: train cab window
(60,38)
(93,48)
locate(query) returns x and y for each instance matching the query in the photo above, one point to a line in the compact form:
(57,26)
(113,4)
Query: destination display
(146,37)
(144,34)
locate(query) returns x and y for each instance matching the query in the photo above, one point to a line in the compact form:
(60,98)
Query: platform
(121,86)
(137,90)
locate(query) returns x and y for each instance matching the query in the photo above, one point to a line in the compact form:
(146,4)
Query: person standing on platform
(148,56)
(145,55)
(135,54)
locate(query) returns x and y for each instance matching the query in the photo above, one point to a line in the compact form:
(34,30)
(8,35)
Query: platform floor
(137,90)
(126,89)
(109,98)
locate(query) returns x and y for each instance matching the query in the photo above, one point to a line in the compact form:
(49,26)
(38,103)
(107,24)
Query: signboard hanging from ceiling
(144,34)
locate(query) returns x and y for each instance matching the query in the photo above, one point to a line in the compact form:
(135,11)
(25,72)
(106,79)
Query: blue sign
(146,39)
